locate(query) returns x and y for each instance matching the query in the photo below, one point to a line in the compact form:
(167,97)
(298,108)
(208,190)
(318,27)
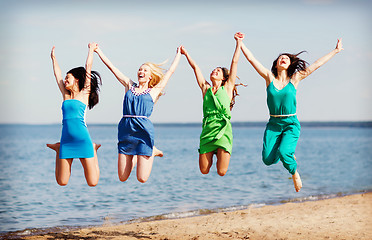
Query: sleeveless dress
(135,130)
(282,132)
(75,138)
(217,130)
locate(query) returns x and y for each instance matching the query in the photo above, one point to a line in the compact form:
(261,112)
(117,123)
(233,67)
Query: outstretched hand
(239,36)
(179,51)
(93,46)
(339,45)
(183,50)
(52,53)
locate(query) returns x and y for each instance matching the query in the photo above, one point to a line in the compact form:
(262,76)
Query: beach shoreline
(344,217)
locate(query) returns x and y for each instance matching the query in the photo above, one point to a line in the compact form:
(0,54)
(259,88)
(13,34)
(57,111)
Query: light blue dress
(75,139)
(135,130)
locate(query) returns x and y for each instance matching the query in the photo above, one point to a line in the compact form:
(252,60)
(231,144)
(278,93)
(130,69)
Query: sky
(133,32)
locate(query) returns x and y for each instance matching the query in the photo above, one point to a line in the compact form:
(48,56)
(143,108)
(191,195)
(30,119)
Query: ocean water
(332,160)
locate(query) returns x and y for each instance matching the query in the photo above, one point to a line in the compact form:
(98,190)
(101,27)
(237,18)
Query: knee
(204,170)
(92,184)
(222,172)
(142,179)
(62,182)
(268,160)
(123,178)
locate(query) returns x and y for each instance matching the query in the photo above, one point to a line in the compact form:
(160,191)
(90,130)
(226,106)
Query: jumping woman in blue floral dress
(135,130)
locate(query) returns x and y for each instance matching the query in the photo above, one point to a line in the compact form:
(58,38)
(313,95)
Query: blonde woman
(135,130)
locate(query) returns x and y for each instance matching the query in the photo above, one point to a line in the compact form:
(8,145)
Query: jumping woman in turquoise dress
(79,91)
(135,130)
(283,129)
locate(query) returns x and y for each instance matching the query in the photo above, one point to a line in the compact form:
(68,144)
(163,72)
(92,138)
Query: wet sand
(348,217)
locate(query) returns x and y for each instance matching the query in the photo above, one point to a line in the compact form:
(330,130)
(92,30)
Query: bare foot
(96,146)
(297,181)
(157,152)
(54,146)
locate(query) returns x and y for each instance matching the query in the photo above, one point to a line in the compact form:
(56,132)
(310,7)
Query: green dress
(217,131)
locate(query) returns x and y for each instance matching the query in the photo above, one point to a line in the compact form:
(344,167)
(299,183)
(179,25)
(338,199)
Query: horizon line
(233,123)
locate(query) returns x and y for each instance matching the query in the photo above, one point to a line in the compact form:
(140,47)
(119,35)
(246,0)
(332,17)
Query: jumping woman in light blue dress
(135,130)
(80,91)
(283,129)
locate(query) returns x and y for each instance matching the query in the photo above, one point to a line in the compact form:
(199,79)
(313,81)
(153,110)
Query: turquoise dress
(282,131)
(75,138)
(135,130)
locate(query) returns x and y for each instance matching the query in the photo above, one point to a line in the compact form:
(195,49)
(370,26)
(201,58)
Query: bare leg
(63,170)
(297,179)
(126,164)
(63,166)
(223,160)
(91,168)
(144,167)
(205,162)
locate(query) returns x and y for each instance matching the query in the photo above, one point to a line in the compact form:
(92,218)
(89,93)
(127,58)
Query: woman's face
(70,81)
(217,74)
(144,73)
(283,62)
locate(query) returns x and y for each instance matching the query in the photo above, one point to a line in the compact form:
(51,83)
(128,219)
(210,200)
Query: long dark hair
(297,64)
(226,74)
(80,74)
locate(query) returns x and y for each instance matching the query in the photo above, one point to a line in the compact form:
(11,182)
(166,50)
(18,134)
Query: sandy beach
(348,217)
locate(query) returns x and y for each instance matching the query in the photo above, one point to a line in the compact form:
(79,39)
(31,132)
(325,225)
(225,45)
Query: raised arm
(230,83)
(155,92)
(88,64)
(58,73)
(203,84)
(264,72)
(297,77)
(119,75)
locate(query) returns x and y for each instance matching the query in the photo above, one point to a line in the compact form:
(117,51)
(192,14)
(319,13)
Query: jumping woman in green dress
(218,99)
(283,129)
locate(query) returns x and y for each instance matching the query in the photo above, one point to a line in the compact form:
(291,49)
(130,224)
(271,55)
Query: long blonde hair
(157,73)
